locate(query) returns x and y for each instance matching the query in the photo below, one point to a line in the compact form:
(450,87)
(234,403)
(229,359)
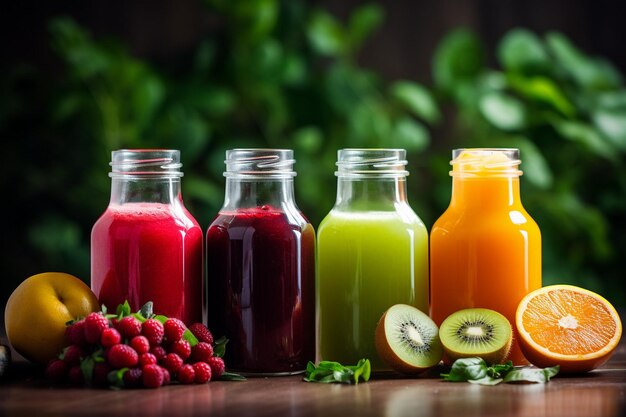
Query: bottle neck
(370,194)
(251,193)
(485,193)
(145,190)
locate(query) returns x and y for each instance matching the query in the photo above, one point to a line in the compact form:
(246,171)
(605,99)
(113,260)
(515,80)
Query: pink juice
(148,252)
(261,288)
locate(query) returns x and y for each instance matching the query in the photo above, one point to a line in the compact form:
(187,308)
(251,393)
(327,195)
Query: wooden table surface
(597,394)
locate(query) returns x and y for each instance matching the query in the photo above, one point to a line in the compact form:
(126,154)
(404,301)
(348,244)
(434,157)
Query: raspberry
(110,337)
(159,352)
(202,352)
(172,362)
(203,372)
(75,333)
(167,378)
(201,332)
(174,329)
(122,356)
(129,327)
(182,348)
(147,359)
(186,374)
(95,323)
(72,355)
(153,330)
(57,370)
(140,344)
(152,376)
(100,374)
(217,367)
(76,375)
(133,377)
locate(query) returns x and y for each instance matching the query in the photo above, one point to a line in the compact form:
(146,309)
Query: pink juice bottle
(146,246)
(261,267)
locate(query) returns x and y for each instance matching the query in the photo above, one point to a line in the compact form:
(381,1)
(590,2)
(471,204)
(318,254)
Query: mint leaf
(536,375)
(465,369)
(123,310)
(327,372)
(485,381)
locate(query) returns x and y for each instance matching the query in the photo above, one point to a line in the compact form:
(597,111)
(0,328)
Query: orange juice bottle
(485,250)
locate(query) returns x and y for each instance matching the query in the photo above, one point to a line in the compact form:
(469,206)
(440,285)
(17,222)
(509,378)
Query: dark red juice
(261,290)
(148,252)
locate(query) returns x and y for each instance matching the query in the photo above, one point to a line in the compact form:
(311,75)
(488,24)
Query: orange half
(567,326)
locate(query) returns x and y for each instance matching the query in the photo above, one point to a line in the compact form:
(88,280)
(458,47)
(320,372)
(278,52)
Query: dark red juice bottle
(146,246)
(261,267)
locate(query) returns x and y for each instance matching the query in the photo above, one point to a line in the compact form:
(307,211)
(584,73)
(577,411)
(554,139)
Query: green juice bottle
(372,254)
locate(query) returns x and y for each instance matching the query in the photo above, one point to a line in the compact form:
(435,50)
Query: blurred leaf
(204,56)
(587,72)
(503,111)
(535,167)
(363,21)
(613,125)
(612,100)
(410,135)
(522,51)
(543,90)
(326,34)
(196,187)
(417,99)
(586,135)
(308,139)
(459,58)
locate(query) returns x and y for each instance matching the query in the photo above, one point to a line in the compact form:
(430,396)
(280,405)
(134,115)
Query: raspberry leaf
(146,310)
(219,347)
(123,310)
(190,337)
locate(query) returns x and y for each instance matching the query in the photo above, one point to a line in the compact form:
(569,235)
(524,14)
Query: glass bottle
(372,254)
(261,266)
(147,246)
(485,249)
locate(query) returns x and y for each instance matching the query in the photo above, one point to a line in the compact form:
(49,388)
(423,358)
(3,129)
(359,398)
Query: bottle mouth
(371,163)
(485,162)
(259,163)
(145,163)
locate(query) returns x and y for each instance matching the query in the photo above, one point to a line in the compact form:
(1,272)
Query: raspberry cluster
(133,351)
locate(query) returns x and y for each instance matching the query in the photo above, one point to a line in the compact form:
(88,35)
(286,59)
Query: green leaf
(229,376)
(329,372)
(544,90)
(147,310)
(586,135)
(409,134)
(123,310)
(417,99)
(308,139)
(161,318)
(363,21)
(503,111)
(589,73)
(534,165)
(190,337)
(532,375)
(219,347)
(116,378)
(465,369)
(485,381)
(522,51)
(458,59)
(86,367)
(326,35)
(612,124)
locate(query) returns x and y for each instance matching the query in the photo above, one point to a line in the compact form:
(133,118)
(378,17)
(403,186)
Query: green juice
(367,262)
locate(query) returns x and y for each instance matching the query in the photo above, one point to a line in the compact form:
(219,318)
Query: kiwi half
(408,340)
(476,332)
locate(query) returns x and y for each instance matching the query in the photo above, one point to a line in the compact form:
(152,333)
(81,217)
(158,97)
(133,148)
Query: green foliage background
(284,74)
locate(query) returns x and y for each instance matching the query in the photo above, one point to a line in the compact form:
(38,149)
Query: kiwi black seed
(408,340)
(476,332)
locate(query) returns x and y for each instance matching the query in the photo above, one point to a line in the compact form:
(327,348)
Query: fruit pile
(137,350)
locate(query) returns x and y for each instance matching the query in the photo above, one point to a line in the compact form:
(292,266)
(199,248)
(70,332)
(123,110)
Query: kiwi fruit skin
(387,354)
(494,354)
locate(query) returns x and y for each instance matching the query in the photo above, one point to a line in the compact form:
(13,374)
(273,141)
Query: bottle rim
(358,163)
(485,163)
(145,164)
(259,163)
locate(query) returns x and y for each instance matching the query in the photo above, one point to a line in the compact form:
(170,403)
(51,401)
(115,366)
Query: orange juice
(485,250)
